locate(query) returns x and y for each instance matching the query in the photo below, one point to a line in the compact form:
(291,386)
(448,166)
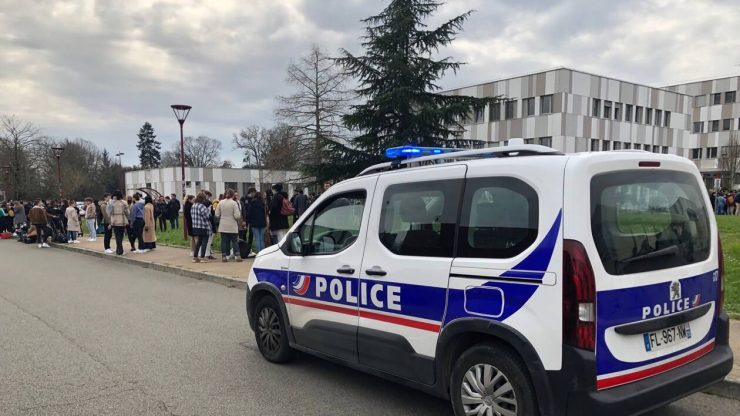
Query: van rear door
(652,244)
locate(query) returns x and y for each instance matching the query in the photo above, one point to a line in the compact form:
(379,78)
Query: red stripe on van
(662,368)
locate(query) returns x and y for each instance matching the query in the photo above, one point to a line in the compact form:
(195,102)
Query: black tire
(497,359)
(270,332)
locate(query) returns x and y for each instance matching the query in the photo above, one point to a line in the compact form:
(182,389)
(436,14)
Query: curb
(222,280)
(728,388)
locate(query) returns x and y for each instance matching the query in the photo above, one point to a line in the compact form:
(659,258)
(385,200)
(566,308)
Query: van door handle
(375,271)
(346,270)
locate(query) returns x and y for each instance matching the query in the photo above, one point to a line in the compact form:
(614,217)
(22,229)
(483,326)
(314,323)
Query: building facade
(167,180)
(575,111)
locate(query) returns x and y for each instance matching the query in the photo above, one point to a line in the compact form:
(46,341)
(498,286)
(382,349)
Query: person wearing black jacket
(173,208)
(278,221)
(257,218)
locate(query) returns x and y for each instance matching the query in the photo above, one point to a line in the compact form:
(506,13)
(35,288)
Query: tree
(148,147)
(729,160)
(200,152)
(398,77)
(314,111)
(253,144)
(273,148)
(19,143)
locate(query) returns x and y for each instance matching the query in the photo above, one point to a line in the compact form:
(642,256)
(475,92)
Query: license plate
(667,337)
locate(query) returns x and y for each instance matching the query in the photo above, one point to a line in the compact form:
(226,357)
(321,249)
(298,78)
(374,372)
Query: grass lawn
(729,229)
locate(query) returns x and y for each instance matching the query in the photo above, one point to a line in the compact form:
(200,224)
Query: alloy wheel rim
(486,391)
(269,330)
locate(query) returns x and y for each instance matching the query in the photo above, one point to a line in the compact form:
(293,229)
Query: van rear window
(647,220)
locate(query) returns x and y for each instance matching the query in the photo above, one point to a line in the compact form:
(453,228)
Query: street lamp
(118,155)
(58,150)
(181,113)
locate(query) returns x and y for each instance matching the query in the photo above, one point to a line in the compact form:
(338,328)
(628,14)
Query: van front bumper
(575,385)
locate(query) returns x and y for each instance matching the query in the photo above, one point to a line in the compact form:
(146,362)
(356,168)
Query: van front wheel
(270,332)
(487,380)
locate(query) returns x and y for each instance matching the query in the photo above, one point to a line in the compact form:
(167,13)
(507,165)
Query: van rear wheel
(488,381)
(270,332)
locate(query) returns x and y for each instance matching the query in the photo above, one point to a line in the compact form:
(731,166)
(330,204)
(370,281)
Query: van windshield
(647,220)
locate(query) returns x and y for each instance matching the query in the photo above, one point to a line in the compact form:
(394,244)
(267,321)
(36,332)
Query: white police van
(513,280)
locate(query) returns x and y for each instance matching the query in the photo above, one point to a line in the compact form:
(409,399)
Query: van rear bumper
(578,376)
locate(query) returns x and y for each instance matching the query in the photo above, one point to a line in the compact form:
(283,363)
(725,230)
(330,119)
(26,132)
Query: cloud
(99,69)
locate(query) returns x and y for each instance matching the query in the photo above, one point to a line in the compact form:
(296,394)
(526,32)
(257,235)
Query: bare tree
(274,148)
(18,144)
(200,152)
(314,111)
(253,144)
(729,160)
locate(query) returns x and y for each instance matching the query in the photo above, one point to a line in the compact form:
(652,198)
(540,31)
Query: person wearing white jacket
(229,216)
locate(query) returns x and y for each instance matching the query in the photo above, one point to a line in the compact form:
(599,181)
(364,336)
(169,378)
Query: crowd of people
(724,202)
(255,220)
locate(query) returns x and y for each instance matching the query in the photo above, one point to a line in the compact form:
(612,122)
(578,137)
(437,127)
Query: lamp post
(181,113)
(118,155)
(58,150)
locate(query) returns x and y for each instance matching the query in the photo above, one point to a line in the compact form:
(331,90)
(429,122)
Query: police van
(514,280)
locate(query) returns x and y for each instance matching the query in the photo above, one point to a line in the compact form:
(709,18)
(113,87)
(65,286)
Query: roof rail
(490,152)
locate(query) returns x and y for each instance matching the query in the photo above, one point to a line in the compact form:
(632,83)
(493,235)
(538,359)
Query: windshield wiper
(668,251)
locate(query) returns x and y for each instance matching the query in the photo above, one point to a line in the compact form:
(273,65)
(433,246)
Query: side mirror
(293,244)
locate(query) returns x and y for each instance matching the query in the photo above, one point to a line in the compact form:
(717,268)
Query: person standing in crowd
(5,219)
(247,203)
(300,203)
(136,219)
(90,216)
(278,215)
(150,225)
(105,221)
(20,215)
(173,208)
(210,205)
(186,216)
(38,219)
(257,221)
(73,222)
(201,222)
(118,211)
(730,203)
(161,214)
(229,217)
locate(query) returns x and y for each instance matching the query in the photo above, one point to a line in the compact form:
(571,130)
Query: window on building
(594,145)
(596,107)
(667,119)
(664,150)
(627,146)
(607,109)
(714,125)
(528,106)
(717,98)
(648,116)
(197,185)
(546,104)
(727,124)
(495,112)
(730,97)
(617,146)
(711,153)
(698,127)
(148,184)
(528,141)
(510,109)
(618,111)
(628,112)
(656,149)
(418,219)
(638,114)
(499,218)
(546,141)
(187,183)
(479,116)
(658,117)
(696,153)
(605,145)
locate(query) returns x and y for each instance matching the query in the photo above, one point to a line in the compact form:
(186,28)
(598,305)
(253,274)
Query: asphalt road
(81,335)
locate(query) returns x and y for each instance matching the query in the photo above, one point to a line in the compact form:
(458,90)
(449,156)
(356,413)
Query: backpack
(287,208)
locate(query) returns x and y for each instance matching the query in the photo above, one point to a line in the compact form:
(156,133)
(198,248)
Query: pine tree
(148,147)
(398,77)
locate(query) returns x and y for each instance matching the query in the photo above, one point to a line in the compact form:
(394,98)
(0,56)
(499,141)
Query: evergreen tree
(148,147)
(398,78)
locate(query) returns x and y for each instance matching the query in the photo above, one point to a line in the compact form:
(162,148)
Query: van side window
(335,225)
(418,219)
(499,218)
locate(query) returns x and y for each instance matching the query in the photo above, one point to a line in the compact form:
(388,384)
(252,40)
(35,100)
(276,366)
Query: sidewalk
(172,260)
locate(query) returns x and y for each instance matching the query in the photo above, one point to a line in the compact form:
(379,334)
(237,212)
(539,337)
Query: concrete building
(575,111)
(167,180)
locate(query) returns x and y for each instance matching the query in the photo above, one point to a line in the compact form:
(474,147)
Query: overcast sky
(98,69)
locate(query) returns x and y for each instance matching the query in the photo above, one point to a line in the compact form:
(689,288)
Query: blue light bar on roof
(405,152)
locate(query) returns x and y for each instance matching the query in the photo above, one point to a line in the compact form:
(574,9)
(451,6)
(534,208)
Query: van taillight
(721,280)
(579,297)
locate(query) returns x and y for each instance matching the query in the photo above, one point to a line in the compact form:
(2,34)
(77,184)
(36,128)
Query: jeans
(209,244)
(229,241)
(259,238)
(118,230)
(175,221)
(162,224)
(200,242)
(92,229)
(139,233)
(107,234)
(71,235)
(40,233)
(131,235)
